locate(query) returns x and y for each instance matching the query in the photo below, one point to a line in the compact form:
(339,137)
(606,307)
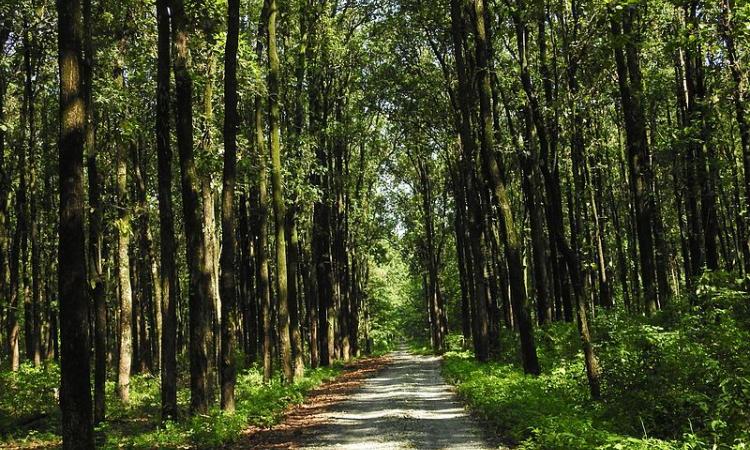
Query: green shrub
(678,380)
(29,401)
(28,397)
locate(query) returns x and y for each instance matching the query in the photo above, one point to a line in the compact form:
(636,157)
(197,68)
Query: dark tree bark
(321,236)
(512,243)
(475,225)
(290,224)
(147,274)
(4,184)
(726,30)
(75,384)
(292,237)
(248,283)
(31,278)
(264,288)
(200,277)
(167,245)
(629,79)
(228,236)
(97,291)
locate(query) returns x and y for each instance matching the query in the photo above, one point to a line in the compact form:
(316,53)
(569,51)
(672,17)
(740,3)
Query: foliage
(28,403)
(30,394)
(676,381)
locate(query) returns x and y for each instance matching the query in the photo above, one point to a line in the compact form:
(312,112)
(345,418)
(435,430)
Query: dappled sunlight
(408,405)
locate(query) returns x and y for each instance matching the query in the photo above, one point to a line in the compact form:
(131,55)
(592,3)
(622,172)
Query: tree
(629,81)
(229,242)
(492,171)
(200,276)
(168,273)
(96,239)
(75,384)
(123,228)
(279,208)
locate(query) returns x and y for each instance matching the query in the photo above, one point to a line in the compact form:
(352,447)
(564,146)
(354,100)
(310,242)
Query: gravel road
(406,405)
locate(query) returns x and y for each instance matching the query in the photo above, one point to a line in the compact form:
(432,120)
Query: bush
(29,413)
(679,380)
(29,402)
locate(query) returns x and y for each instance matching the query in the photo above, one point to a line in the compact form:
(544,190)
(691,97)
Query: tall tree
(228,236)
(97,291)
(492,170)
(279,209)
(639,162)
(200,277)
(264,288)
(727,27)
(75,384)
(125,327)
(168,273)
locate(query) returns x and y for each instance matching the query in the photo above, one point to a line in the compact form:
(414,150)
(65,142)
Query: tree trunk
(125,294)
(228,233)
(290,228)
(279,207)
(479,311)
(629,79)
(75,385)
(167,245)
(148,292)
(491,167)
(4,180)
(726,26)
(200,276)
(97,290)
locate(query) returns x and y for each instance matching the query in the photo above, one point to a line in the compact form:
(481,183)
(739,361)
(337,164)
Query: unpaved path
(405,405)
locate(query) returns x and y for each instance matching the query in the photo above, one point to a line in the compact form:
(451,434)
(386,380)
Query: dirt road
(406,405)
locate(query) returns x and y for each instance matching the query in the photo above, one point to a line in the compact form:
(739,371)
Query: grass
(29,415)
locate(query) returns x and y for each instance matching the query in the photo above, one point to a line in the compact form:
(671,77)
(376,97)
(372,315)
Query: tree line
(565,157)
(158,255)
(537,162)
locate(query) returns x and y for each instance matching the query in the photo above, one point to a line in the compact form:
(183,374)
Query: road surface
(406,405)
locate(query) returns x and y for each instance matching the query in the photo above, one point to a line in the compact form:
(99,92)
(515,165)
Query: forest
(211,208)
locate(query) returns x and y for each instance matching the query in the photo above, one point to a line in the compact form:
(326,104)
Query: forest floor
(403,403)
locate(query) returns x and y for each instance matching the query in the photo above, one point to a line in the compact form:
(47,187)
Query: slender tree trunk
(292,265)
(4,181)
(479,305)
(200,276)
(97,290)
(629,78)
(125,294)
(462,253)
(264,288)
(75,384)
(228,233)
(248,281)
(22,205)
(726,25)
(279,208)
(519,299)
(167,245)
(147,282)
(291,229)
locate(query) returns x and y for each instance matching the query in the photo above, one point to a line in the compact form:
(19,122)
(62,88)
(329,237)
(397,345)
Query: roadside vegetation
(30,417)
(679,380)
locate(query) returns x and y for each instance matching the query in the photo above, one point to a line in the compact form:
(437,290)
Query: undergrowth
(679,380)
(29,413)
